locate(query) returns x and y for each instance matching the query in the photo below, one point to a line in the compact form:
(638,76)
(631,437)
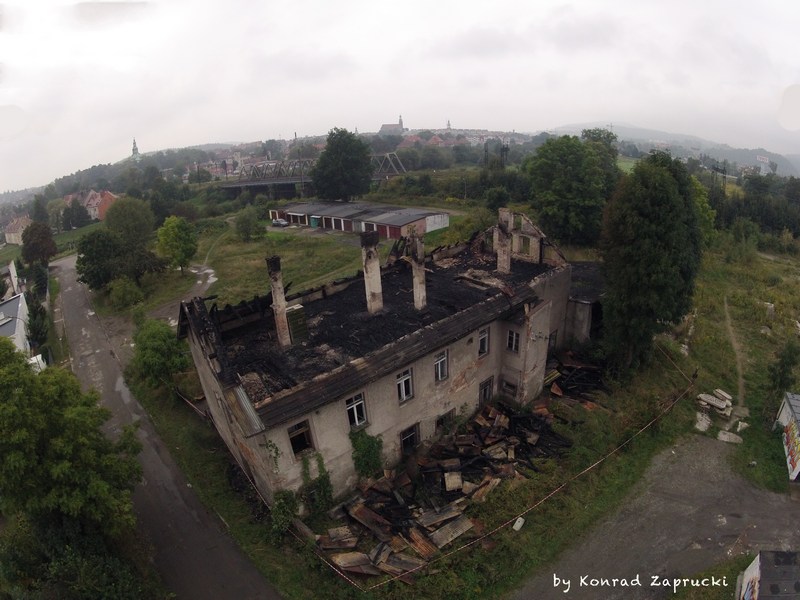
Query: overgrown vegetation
(66,490)
(367,452)
(317,492)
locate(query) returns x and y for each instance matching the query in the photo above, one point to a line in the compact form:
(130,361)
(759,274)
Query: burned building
(398,350)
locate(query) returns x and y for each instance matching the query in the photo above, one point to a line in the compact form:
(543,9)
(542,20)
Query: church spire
(135,151)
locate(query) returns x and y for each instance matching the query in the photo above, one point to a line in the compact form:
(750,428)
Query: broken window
(513,341)
(440,366)
(356,410)
(483,342)
(509,389)
(486,391)
(405,386)
(300,437)
(409,439)
(445,422)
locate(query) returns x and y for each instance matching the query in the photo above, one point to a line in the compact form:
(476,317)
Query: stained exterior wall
(251,453)
(554,286)
(388,417)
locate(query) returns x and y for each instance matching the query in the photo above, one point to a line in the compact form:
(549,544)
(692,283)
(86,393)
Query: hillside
(686,145)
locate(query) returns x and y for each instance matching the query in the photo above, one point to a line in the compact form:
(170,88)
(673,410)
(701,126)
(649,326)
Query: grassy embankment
(558,522)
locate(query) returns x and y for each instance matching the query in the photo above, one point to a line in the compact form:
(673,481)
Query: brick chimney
(502,239)
(418,271)
(279,301)
(372,271)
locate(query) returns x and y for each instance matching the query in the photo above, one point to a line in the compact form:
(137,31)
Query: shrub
(367,453)
(123,292)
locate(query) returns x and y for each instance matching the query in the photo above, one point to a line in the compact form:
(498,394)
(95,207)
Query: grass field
(308,259)
(626,163)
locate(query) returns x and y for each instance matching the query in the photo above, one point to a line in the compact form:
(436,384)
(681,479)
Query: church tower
(135,152)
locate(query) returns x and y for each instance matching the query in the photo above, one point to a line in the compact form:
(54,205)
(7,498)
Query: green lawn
(626,163)
(307,260)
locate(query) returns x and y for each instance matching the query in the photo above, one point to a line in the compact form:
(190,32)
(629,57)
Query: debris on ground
(727,436)
(400,522)
(720,400)
(703,421)
(574,380)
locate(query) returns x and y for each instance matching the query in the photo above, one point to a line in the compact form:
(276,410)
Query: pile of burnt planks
(574,380)
(399,522)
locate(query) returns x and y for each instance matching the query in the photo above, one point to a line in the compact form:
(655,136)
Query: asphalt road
(195,557)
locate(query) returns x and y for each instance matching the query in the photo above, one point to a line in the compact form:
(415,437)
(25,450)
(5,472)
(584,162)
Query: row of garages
(390,222)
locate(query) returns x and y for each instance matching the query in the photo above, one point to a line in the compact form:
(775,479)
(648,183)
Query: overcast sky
(78,81)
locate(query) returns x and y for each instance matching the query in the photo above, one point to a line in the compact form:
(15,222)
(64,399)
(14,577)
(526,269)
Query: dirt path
(688,513)
(737,349)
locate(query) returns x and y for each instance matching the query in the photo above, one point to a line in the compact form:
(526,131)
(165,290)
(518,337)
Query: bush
(158,352)
(123,292)
(367,453)
(284,510)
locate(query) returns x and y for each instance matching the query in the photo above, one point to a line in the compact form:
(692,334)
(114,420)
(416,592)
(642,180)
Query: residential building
(14,322)
(95,203)
(394,351)
(14,229)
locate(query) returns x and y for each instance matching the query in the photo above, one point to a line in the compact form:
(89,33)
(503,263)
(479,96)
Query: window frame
(409,433)
(483,342)
(405,379)
(512,341)
(484,386)
(352,406)
(301,428)
(441,368)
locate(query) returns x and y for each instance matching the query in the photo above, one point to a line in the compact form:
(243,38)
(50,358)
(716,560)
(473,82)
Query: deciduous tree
(54,458)
(177,241)
(651,251)
(569,189)
(344,168)
(158,352)
(247,223)
(132,220)
(38,245)
(97,258)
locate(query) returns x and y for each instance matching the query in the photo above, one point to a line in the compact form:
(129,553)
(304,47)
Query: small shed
(788,418)
(771,575)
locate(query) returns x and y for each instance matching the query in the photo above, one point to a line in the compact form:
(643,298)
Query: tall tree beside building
(569,189)
(344,168)
(651,250)
(38,245)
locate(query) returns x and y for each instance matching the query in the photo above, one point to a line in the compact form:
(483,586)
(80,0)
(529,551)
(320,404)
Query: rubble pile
(573,380)
(402,520)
